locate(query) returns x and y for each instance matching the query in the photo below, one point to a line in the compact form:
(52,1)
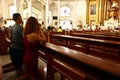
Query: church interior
(83,38)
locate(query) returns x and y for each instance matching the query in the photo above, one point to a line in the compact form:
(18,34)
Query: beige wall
(81,12)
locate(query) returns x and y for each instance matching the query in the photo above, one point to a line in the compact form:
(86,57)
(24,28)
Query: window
(65,11)
(12,10)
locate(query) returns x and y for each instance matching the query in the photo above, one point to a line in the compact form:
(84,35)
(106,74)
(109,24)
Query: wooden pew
(103,48)
(115,36)
(76,65)
(4,44)
(49,33)
(1,71)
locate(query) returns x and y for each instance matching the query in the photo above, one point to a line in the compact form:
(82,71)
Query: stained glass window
(65,11)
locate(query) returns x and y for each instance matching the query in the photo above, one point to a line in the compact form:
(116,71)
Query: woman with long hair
(33,36)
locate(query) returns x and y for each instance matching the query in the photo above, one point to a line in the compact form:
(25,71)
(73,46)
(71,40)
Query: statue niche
(113,11)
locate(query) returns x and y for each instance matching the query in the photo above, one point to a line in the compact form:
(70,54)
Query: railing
(76,65)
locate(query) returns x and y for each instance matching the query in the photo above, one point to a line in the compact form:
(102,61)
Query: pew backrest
(98,47)
(72,63)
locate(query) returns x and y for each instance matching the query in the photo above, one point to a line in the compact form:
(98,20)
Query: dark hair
(16,16)
(32,25)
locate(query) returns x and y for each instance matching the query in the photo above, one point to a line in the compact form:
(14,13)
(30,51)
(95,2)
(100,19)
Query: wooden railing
(98,47)
(76,65)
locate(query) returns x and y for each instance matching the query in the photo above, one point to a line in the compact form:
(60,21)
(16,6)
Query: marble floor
(12,75)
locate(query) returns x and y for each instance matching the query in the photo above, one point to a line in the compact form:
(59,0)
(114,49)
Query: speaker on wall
(55,17)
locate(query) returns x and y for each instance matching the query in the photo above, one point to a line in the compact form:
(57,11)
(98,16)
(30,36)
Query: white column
(16,4)
(21,7)
(74,23)
(47,12)
(30,8)
(58,14)
(43,13)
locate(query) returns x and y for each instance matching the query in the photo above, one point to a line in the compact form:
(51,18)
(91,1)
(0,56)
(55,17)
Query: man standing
(16,49)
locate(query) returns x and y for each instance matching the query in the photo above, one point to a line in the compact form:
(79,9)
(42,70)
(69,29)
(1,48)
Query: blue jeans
(16,57)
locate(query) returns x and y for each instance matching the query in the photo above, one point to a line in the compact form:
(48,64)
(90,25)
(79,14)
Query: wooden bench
(105,36)
(4,44)
(98,47)
(1,71)
(51,32)
(76,65)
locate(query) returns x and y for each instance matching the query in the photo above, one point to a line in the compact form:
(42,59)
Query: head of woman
(32,26)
